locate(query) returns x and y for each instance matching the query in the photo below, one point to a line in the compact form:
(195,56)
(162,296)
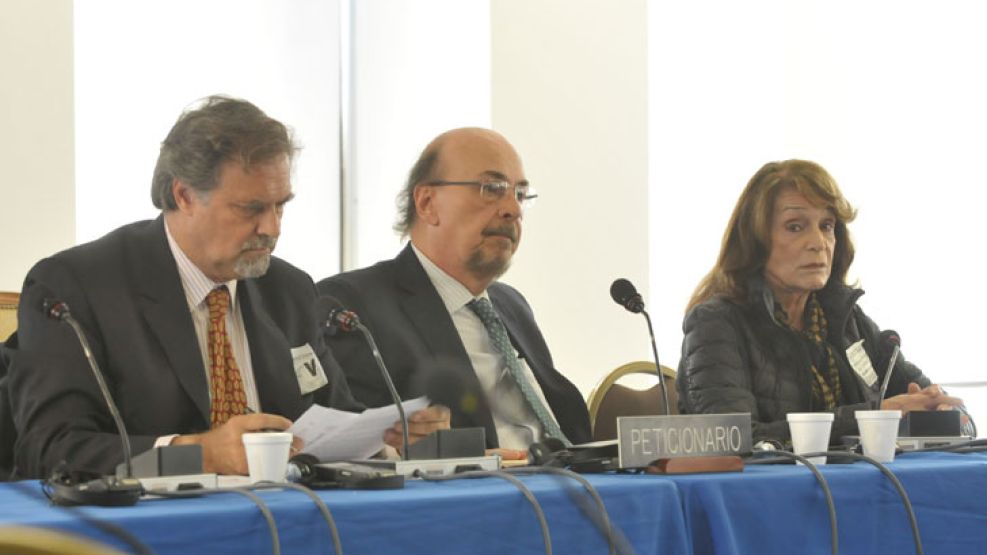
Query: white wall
(36,147)
(419,68)
(883,95)
(570,92)
(139,64)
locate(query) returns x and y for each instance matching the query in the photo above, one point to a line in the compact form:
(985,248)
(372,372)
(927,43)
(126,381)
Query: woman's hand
(918,398)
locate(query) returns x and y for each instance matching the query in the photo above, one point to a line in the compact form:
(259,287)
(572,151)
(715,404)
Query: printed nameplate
(643,439)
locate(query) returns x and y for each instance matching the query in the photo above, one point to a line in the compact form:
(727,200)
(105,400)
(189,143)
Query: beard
(490,267)
(249,265)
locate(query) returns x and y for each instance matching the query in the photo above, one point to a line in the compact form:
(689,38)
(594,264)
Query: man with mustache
(202,335)
(443,323)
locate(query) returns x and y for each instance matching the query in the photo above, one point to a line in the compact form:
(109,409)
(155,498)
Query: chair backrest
(8,433)
(29,540)
(609,399)
(8,314)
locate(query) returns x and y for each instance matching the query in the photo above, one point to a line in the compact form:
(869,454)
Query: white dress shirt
(517,425)
(197,287)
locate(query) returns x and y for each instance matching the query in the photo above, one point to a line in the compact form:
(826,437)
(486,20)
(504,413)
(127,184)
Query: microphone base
(696,465)
(437,467)
(108,491)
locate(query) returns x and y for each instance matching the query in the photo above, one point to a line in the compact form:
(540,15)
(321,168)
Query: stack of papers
(335,435)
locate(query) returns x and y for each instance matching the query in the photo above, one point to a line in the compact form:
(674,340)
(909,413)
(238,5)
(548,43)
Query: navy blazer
(420,346)
(125,291)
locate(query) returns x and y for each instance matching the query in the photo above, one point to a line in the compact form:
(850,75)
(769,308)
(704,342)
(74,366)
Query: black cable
(505,476)
(600,517)
(787,455)
(264,509)
(323,508)
(894,480)
(132,541)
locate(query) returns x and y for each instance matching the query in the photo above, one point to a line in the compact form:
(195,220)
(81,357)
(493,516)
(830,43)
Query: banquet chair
(609,399)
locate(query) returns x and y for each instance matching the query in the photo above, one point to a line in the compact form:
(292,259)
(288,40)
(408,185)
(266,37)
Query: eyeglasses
(494,191)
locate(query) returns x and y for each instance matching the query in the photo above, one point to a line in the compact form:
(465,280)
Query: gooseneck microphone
(110,490)
(625,294)
(58,310)
(340,319)
(890,341)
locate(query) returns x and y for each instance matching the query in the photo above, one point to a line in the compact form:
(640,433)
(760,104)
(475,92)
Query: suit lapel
(270,356)
(423,306)
(162,302)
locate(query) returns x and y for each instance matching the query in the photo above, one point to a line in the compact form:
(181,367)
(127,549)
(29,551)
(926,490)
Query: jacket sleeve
(904,372)
(715,369)
(56,403)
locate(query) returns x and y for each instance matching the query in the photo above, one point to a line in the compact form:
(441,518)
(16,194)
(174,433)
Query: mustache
(507,230)
(260,242)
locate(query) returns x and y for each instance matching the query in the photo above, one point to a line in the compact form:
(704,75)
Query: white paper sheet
(335,435)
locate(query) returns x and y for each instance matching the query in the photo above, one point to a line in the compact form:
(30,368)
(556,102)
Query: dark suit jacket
(420,345)
(125,291)
(8,433)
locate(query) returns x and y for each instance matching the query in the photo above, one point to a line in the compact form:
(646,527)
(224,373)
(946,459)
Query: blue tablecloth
(765,509)
(485,515)
(781,509)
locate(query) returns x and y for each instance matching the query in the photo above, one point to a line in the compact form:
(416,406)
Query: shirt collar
(454,295)
(195,283)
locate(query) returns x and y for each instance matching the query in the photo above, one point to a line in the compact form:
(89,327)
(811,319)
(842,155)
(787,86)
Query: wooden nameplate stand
(696,465)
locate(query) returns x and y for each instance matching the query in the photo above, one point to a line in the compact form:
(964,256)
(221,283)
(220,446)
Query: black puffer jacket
(738,358)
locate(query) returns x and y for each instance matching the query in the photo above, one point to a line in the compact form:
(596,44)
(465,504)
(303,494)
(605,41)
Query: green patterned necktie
(498,336)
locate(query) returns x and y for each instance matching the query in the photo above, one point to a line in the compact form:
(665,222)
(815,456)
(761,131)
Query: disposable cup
(267,455)
(878,433)
(810,433)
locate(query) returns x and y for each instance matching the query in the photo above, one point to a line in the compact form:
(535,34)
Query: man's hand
(509,454)
(918,398)
(420,424)
(222,447)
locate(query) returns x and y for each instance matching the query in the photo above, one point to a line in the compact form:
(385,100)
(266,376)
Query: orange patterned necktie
(225,383)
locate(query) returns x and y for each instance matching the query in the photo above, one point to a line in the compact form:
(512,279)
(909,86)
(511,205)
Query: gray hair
(221,129)
(422,171)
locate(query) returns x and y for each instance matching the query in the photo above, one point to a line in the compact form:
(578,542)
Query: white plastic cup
(810,433)
(267,455)
(878,433)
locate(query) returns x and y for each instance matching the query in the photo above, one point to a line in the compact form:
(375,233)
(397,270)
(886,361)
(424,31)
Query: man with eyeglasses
(443,323)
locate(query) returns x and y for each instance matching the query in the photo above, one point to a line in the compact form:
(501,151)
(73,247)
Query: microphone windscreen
(446,385)
(889,339)
(621,290)
(326,304)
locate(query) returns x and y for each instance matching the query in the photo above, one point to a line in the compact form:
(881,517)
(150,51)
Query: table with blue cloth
(765,509)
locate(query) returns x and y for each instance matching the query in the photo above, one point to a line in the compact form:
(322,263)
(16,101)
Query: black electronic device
(70,488)
(625,294)
(172,460)
(450,444)
(931,423)
(586,458)
(66,488)
(306,469)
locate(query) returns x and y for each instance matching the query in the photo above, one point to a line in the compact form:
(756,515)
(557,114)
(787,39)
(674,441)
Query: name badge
(861,363)
(308,369)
